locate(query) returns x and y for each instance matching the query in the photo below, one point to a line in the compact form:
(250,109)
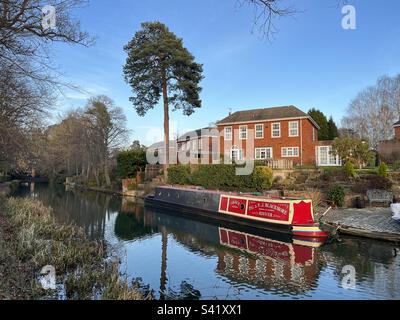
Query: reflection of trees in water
(374,262)
(88,210)
(128,227)
(186,292)
(130,223)
(360,253)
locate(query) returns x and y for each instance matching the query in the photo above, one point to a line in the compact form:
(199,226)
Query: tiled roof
(265,114)
(196,133)
(160,145)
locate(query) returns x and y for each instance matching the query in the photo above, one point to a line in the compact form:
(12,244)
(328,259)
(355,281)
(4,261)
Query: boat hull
(174,208)
(291,216)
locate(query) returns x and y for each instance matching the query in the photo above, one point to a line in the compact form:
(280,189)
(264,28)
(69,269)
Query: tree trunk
(163,276)
(88,172)
(166,124)
(106,174)
(96,176)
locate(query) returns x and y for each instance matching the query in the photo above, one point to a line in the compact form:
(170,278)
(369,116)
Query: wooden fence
(281,164)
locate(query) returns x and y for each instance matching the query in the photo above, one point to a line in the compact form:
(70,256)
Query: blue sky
(312,62)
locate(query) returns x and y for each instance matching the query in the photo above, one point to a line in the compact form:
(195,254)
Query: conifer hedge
(221,177)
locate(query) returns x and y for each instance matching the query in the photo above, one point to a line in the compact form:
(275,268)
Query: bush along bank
(221,177)
(31,239)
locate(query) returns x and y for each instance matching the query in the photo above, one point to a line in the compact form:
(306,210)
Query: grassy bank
(30,239)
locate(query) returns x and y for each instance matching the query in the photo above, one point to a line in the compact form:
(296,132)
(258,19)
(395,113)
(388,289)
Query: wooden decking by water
(375,223)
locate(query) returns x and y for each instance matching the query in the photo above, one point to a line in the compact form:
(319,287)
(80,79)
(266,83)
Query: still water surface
(178,257)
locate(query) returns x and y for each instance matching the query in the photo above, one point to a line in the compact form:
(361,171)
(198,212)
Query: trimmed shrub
(350,170)
(336,194)
(179,174)
(262,178)
(383,170)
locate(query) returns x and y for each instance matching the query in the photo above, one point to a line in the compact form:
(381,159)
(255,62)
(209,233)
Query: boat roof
(229,193)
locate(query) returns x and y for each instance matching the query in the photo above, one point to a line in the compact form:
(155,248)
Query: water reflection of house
(269,263)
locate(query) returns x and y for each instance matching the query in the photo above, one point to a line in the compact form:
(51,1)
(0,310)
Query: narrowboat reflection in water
(266,260)
(270,262)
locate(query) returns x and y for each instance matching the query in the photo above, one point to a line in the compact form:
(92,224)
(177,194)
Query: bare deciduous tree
(108,128)
(24,41)
(265,13)
(84,141)
(372,113)
(26,74)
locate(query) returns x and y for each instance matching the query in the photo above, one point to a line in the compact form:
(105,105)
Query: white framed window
(263,153)
(243,132)
(290,151)
(259,128)
(228,133)
(325,157)
(313,134)
(236,154)
(293,128)
(276,130)
(200,144)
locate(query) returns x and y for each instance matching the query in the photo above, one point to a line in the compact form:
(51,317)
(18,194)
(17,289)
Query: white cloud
(84,92)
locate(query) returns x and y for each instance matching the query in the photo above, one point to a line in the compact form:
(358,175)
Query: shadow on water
(185,258)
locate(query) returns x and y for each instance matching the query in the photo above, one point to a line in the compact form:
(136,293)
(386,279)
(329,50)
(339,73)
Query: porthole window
(241,206)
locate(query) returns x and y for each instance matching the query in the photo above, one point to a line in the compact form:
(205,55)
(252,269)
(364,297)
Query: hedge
(179,174)
(222,177)
(129,162)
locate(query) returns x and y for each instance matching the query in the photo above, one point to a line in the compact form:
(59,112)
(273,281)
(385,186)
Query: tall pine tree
(158,64)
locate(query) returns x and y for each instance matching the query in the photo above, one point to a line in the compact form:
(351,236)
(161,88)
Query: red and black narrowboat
(289,215)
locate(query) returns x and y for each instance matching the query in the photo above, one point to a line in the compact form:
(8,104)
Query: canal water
(180,258)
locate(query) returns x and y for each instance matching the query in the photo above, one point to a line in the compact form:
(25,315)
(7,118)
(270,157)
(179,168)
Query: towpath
(376,223)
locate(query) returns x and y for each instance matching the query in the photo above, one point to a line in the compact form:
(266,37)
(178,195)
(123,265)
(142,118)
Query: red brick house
(279,133)
(389,150)
(198,144)
(396,127)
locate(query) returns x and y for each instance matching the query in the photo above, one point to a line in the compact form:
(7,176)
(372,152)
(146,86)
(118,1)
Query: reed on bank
(30,239)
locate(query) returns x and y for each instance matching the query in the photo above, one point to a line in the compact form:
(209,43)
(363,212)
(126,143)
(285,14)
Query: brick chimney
(396,127)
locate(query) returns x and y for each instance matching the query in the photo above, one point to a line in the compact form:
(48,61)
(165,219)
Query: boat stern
(309,231)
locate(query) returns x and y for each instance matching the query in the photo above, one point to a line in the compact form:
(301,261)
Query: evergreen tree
(158,64)
(332,129)
(321,120)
